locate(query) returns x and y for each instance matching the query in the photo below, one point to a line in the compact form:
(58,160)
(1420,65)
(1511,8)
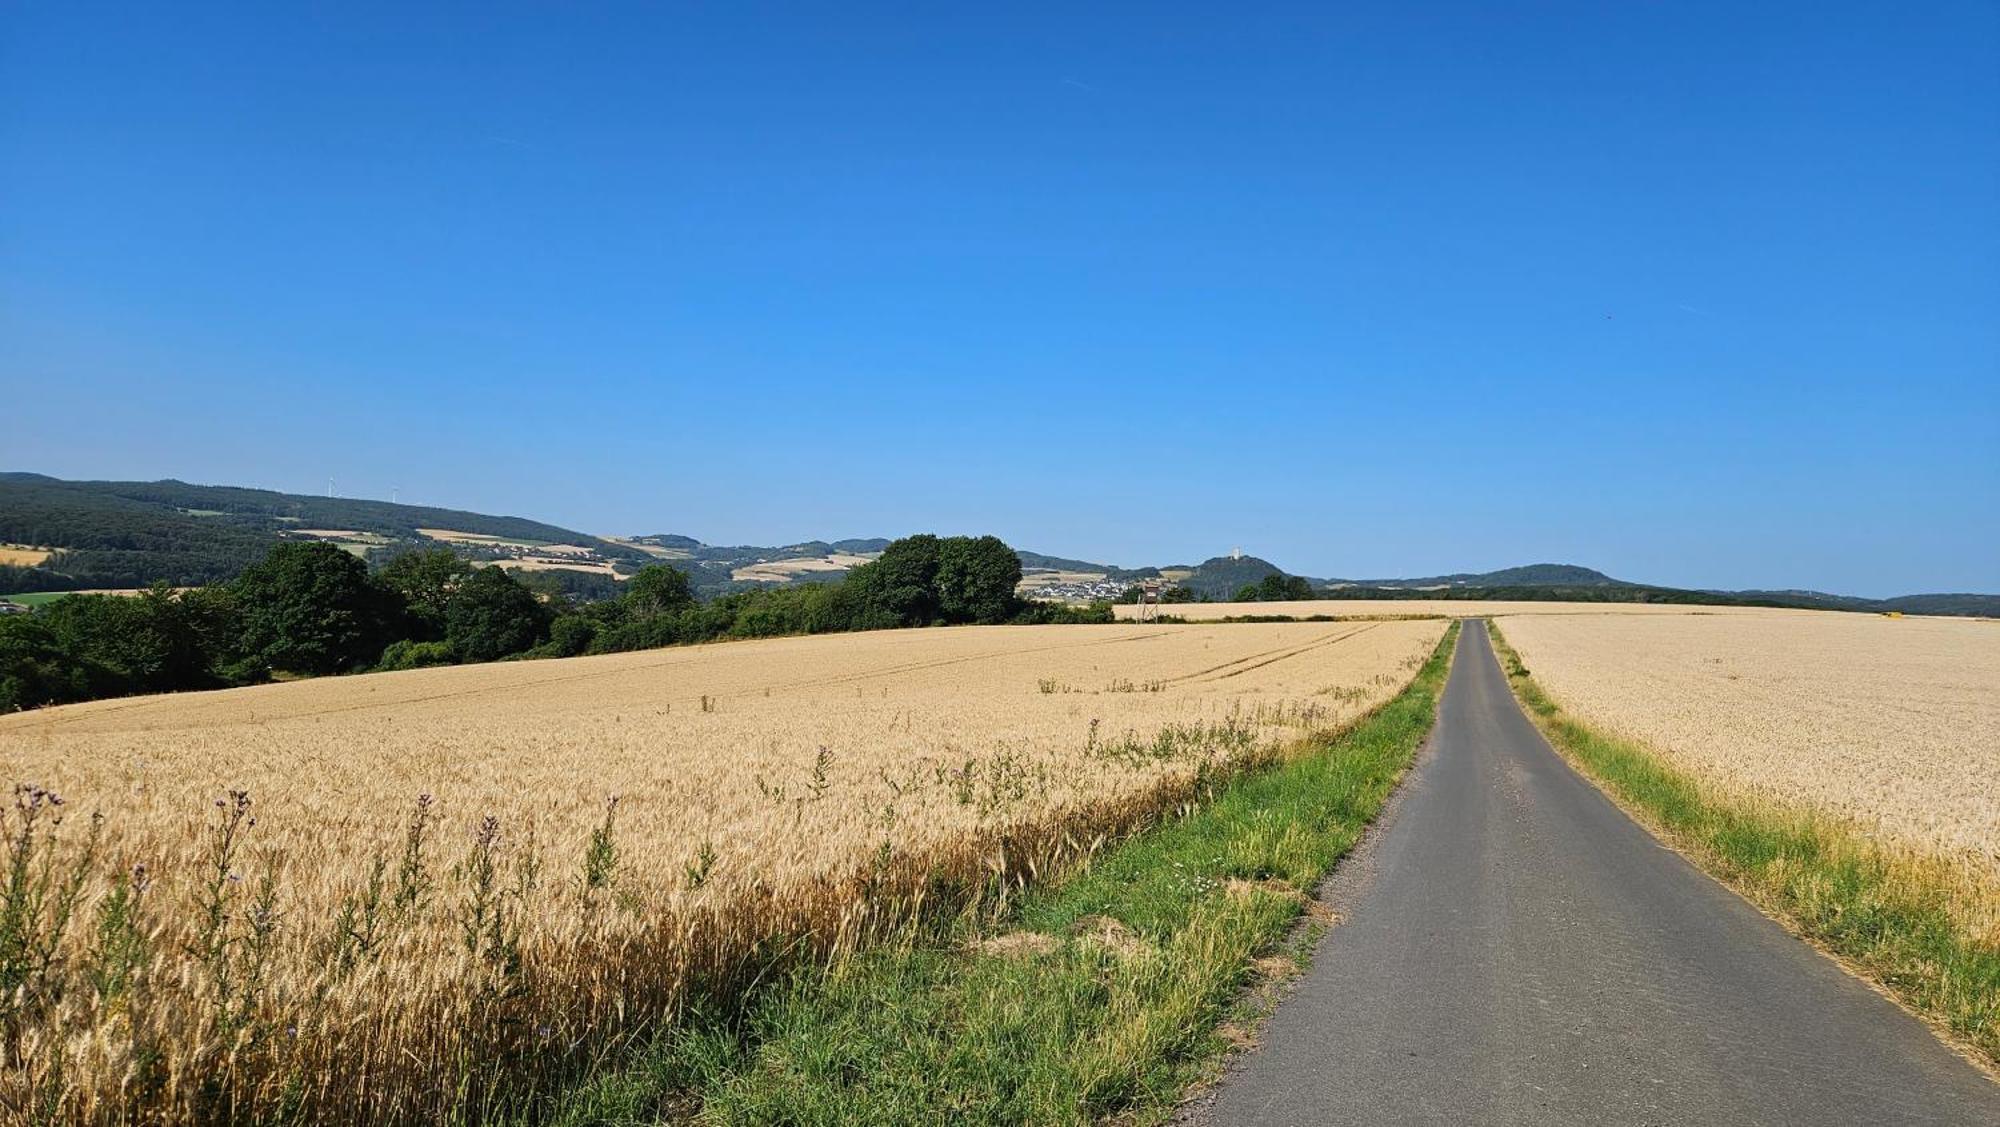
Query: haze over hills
(85,535)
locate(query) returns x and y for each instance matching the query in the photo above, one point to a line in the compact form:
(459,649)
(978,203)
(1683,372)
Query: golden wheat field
(1891,723)
(1408,608)
(21,555)
(379,893)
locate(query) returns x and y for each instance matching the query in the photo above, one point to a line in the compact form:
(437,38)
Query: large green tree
(491,616)
(901,585)
(312,608)
(655,590)
(35,669)
(1278,587)
(86,646)
(426,579)
(976,578)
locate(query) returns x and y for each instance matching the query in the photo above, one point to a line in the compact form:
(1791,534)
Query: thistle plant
(413,876)
(39,900)
(600,857)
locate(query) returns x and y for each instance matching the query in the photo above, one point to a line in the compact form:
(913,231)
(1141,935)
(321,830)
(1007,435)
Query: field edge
(1880,912)
(1110,992)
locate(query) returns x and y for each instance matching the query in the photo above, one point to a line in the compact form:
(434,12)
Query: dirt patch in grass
(1018,945)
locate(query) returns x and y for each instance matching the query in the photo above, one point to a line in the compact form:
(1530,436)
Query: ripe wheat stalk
(400,896)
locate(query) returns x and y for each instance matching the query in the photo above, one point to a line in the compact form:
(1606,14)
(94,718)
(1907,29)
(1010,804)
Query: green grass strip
(1098,997)
(1886,913)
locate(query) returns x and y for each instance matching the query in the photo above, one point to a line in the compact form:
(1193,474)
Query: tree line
(311,609)
(1273,588)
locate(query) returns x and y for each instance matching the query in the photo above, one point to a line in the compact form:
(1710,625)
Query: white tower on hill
(1235,553)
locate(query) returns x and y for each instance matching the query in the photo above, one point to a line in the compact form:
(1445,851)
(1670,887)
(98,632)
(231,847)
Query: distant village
(1073,590)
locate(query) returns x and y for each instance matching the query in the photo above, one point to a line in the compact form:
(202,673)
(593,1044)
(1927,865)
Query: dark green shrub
(409,654)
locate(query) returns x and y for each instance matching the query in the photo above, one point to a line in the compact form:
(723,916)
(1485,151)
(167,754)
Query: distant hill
(1222,576)
(1034,560)
(868,546)
(717,569)
(668,540)
(1531,575)
(720,568)
(121,534)
(752,552)
(1959,603)
(1963,603)
(133,533)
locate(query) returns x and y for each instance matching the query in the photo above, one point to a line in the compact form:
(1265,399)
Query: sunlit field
(385,894)
(1891,723)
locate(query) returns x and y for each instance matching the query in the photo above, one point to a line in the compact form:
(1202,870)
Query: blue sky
(1697,294)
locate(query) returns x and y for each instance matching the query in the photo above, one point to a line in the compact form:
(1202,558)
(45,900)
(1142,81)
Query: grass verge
(1891,915)
(1097,997)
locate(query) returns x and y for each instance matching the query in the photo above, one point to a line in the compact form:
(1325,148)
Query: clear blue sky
(1695,293)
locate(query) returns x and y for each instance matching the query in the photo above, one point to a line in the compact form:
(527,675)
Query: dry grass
(21,555)
(365,949)
(536,564)
(653,550)
(784,571)
(480,539)
(1448,608)
(339,535)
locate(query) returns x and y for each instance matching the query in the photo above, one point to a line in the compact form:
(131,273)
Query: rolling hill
(116,534)
(1220,577)
(123,534)
(1531,575)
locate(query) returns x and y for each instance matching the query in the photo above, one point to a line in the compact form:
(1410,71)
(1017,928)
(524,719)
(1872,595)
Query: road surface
(1516,950)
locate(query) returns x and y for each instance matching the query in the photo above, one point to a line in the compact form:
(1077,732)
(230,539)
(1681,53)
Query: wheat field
(1892,724)
(22,555)
(382,893)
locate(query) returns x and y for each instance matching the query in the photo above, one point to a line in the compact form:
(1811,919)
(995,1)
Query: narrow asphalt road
(1516,950)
